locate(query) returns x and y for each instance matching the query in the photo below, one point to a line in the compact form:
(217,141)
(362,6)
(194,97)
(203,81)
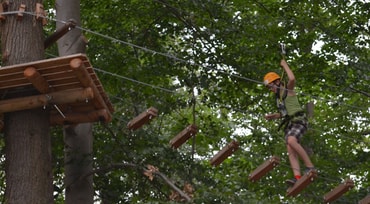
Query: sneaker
(309,169)
(291,182)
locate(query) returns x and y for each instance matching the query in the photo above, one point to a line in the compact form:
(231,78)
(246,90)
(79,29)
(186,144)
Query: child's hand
(283,63)
(272,116)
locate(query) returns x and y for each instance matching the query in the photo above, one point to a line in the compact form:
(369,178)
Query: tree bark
(78,138)
(27,140)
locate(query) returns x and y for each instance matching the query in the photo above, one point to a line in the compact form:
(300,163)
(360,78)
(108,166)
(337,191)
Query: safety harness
(281,95)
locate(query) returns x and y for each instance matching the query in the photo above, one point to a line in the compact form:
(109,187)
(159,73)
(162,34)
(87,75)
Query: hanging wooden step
(338,191)
(264,168)
(366,200)
(68,85)
(304,181)
(142,119)
(224,153)
(183,136)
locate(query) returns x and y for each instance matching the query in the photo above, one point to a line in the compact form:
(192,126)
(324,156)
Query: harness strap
(281,94)
(288,118)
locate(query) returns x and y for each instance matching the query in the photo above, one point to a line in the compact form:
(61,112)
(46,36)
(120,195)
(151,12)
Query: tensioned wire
(171,57)
(181,60)
(176,59)
(168,56)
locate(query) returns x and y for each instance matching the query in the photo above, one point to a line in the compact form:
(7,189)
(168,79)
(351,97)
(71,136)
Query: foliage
(203,61)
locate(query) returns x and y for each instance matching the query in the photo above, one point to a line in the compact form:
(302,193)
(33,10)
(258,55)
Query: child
(295,120)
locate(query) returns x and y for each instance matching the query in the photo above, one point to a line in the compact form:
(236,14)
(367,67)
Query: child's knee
(291,140)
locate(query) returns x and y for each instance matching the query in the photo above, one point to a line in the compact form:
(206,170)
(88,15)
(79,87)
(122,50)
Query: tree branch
(359,91)
(131,165)
(173,186)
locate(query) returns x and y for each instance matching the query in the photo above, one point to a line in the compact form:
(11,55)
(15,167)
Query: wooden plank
(102,115)
(45,64)
(183,136)
(65,81)
(224,153)
(339,191)
(304,181)
(142,119)
(14,84)
(17,104)
(366,200)
(264,168)
(82,106)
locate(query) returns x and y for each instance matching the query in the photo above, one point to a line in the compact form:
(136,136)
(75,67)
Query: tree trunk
(78,138)
(27,141)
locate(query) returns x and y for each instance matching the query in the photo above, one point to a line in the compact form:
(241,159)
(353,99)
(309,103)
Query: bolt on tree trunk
(27,140)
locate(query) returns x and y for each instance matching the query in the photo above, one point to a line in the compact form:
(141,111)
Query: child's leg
(293,159)
(298,149)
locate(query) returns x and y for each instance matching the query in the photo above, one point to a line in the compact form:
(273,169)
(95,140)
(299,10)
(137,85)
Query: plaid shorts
(296,129)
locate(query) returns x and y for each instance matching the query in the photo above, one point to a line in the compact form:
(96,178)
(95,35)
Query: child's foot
(309,169)
(291,182)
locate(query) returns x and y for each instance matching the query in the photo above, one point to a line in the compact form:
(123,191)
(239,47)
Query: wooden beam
(183,136)
(59,33)
(304,181)
(366,200)
(339,191)
(37,80)
(102,115)
(30,102)
(78,67)
(264,168)
(310,109)
(224,153)
(2,17)
(142,119)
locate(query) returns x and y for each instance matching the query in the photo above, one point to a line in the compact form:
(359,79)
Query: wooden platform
(68,85)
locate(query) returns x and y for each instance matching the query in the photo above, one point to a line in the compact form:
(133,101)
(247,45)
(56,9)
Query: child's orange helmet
(270,77)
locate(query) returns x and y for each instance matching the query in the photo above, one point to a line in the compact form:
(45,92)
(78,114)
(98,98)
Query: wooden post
(78,67)
(304,181)
(183,136)
(264,168)
(224,153)
(37,80)
(366,200)
(59,33)
(142,119)
(338,191)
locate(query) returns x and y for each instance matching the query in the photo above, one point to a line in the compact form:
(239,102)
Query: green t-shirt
(292,105)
